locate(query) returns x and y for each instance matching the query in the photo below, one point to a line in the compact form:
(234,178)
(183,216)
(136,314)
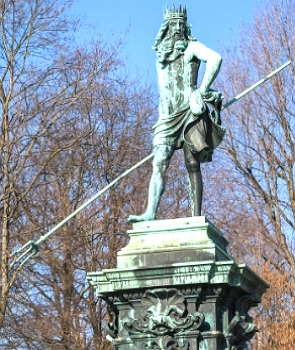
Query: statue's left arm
(210,57)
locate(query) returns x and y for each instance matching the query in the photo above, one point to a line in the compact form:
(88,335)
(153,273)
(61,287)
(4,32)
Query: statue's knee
(160,166)
(162,156)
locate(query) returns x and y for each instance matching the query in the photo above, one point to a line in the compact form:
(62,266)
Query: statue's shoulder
(193,51)
(193,45)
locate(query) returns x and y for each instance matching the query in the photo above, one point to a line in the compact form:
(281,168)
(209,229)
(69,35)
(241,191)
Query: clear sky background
(138,21)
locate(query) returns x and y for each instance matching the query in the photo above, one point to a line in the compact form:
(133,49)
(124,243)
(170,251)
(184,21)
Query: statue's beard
(170,50)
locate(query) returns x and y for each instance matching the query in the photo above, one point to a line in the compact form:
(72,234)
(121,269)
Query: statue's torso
(176,81)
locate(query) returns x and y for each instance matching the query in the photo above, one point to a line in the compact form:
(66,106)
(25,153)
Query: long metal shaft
(254,86)
(33,245)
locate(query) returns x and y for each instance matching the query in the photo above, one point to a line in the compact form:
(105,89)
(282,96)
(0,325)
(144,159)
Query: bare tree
(58,293)
(254,179)
(29,33)
(68,118)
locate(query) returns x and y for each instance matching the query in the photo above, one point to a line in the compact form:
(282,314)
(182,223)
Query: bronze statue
(189,118)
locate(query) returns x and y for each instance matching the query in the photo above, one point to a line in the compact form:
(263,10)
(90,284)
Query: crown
(175,12)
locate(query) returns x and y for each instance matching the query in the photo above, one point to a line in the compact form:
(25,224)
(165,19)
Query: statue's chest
(177,80)
(177,76)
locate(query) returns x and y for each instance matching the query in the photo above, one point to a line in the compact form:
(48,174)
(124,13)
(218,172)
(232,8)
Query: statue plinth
(167,242)
(175,287)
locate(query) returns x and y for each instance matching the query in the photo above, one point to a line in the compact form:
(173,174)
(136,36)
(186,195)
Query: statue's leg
(162,156)
(195,180)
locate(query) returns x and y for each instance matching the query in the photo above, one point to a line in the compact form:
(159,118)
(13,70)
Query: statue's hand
(213,96)
(197,104)
(180,45)
(204,92)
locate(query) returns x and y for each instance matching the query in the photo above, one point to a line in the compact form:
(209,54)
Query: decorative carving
(112,326)
(164,312)
(162,302)
(240,331)
(165,342)
(186,290)
(244,304)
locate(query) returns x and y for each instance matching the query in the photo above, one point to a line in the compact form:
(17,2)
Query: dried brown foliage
(254,179)
(71,122)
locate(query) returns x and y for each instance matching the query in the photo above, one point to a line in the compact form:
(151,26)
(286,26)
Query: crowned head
(175,13)
(174,34)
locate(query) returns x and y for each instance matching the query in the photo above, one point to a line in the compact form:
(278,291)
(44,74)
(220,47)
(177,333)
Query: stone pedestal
(175,287)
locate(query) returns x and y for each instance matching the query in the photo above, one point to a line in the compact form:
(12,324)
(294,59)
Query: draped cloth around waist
(201,133)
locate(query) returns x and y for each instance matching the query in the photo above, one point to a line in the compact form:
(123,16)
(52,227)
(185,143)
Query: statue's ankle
(143,217)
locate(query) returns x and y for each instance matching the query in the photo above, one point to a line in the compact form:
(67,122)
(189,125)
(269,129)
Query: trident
(31,248)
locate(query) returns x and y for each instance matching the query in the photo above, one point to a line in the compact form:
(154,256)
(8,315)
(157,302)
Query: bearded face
(176,28)
(174,43)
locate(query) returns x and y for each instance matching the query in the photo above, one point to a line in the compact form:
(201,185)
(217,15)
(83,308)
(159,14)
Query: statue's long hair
(163,32)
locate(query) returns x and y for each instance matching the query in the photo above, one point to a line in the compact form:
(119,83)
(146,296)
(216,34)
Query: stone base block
(175,287)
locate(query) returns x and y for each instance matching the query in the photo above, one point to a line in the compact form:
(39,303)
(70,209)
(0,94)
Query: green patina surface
(205,282)
(184,122)
(178,272)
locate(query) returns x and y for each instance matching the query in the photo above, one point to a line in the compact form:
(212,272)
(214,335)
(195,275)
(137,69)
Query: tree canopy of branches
(254,179)
(71,122)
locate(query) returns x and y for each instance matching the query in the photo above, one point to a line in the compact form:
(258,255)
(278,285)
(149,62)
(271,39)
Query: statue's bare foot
(139,218)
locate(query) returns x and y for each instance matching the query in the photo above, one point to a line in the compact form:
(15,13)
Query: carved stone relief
(164,314)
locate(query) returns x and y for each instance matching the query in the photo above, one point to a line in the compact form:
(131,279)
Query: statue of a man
(188,117)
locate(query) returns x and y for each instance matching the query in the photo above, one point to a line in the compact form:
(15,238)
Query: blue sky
(212,21)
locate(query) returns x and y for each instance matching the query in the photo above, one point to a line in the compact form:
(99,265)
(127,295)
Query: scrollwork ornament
(112,326)
(244,304)
(165,342)
(240,331)
(164,311)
